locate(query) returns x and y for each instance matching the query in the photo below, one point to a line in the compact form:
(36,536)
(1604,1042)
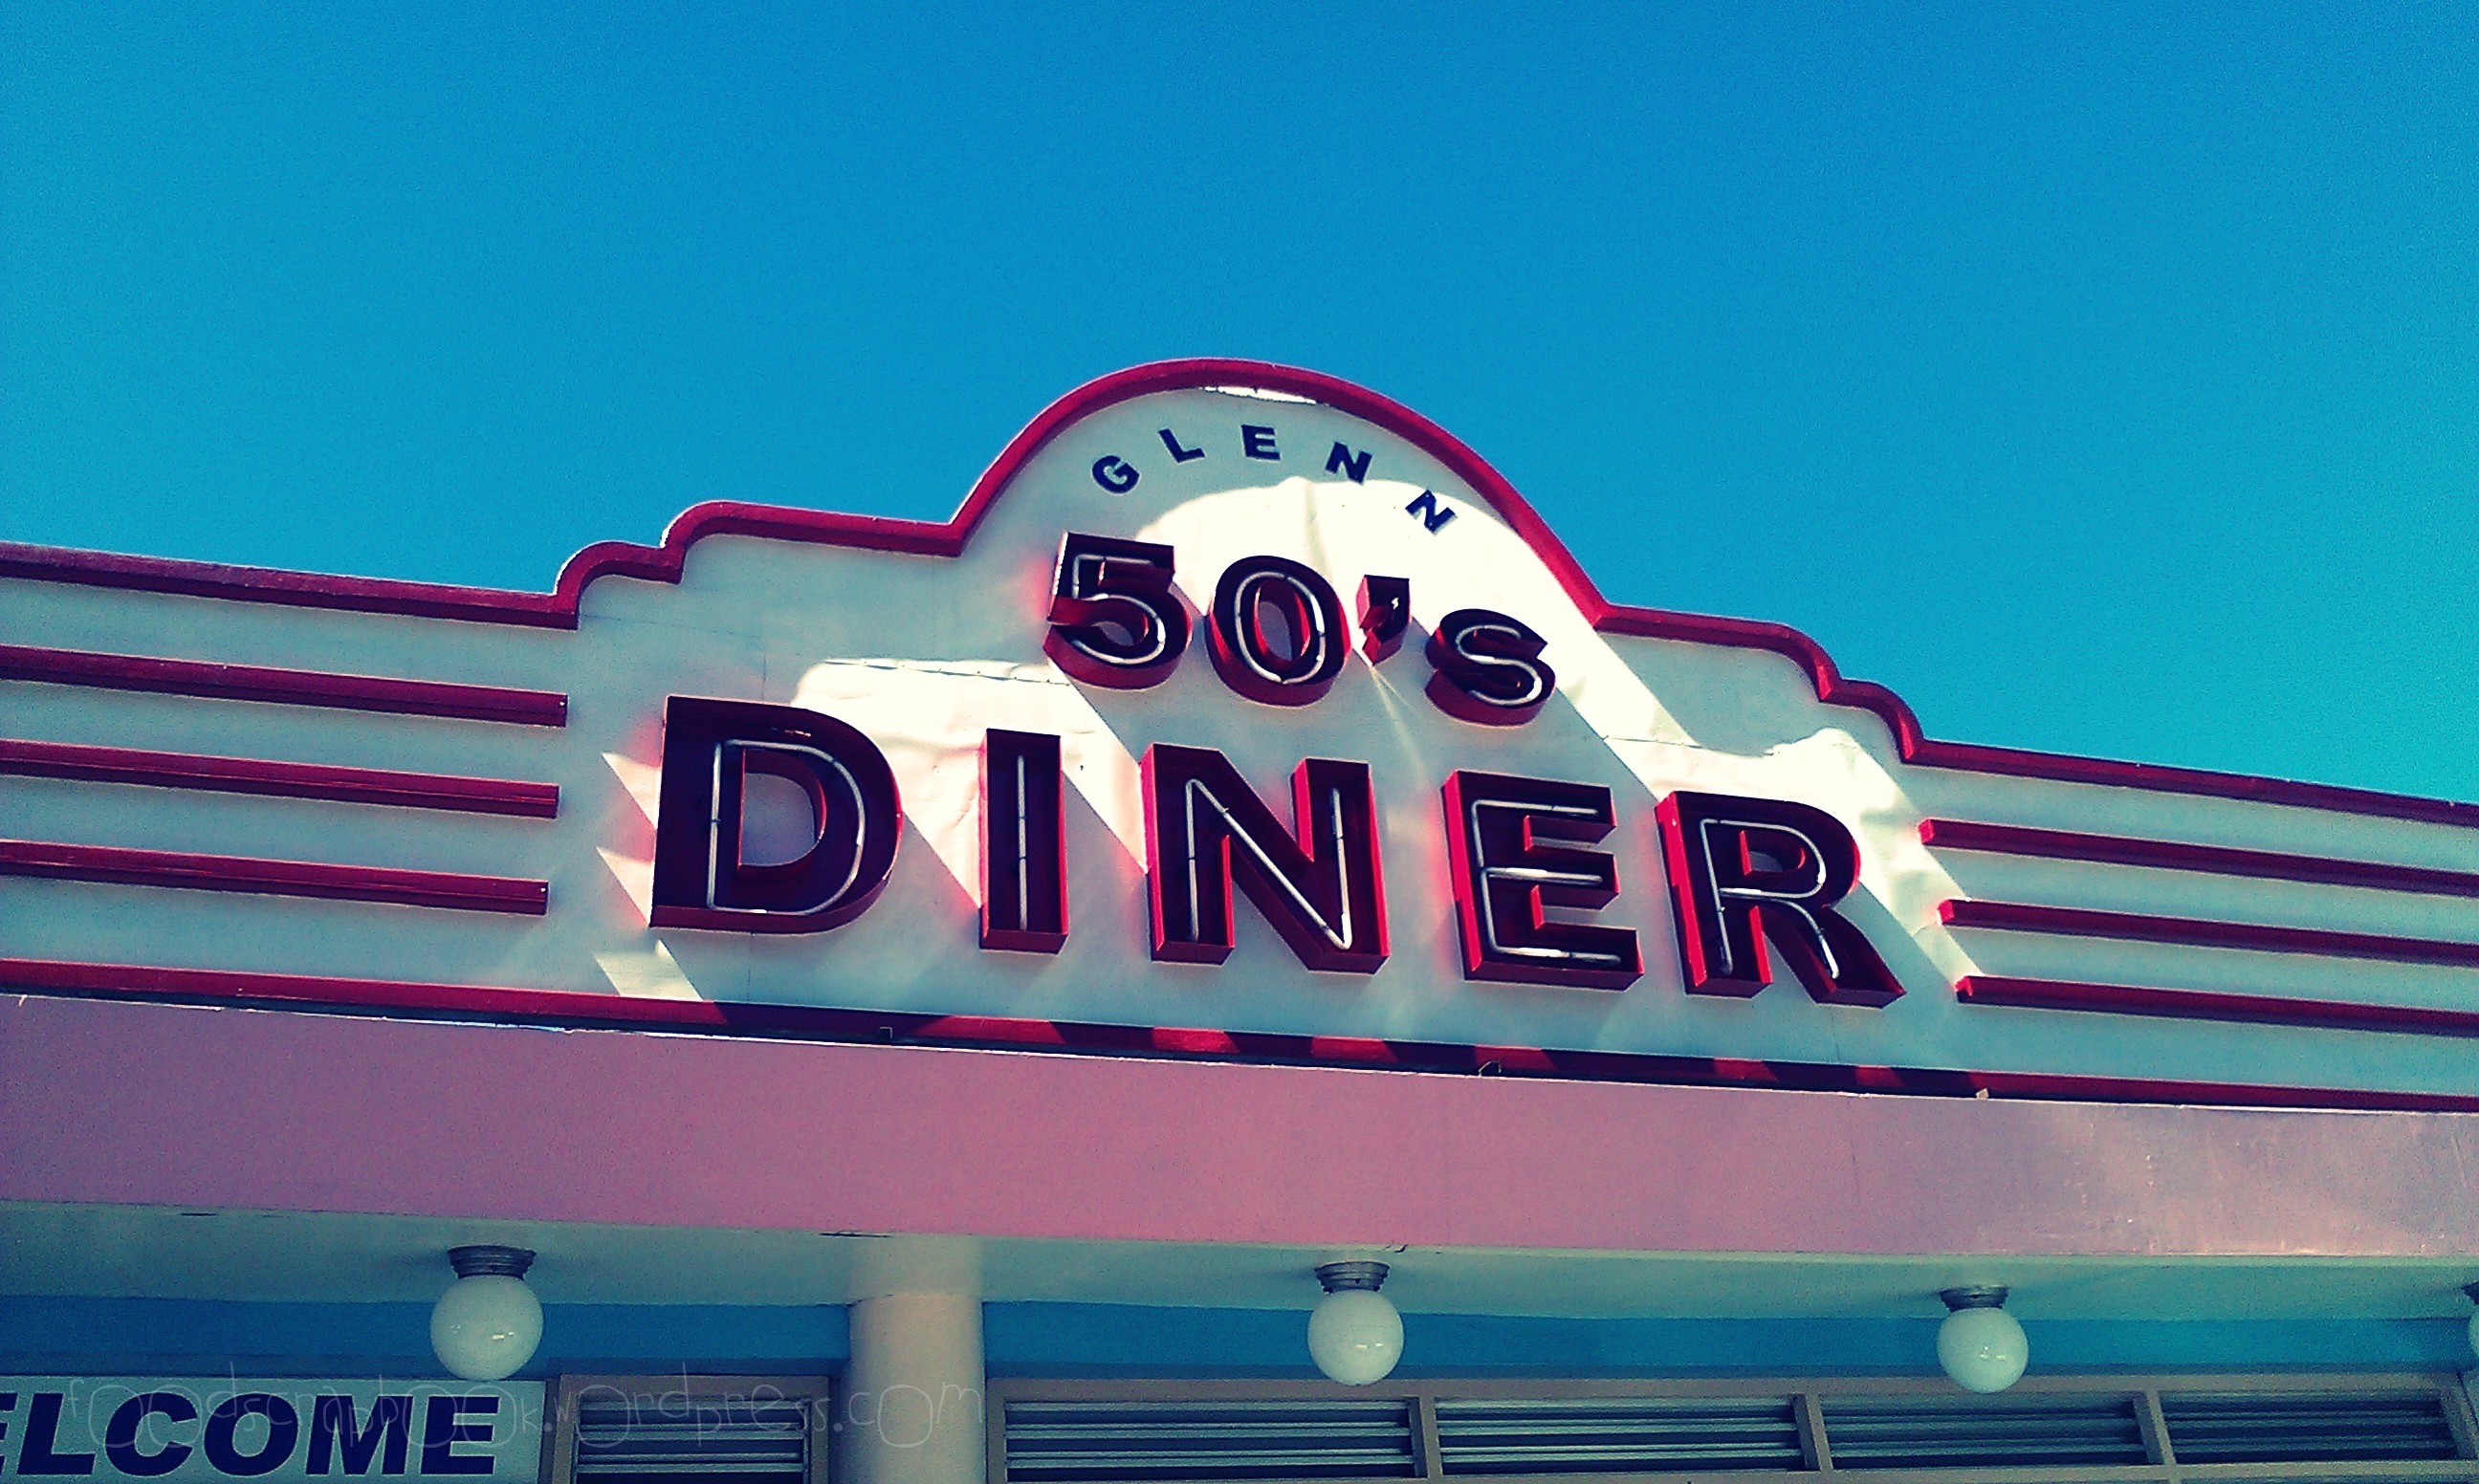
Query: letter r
(1746,871)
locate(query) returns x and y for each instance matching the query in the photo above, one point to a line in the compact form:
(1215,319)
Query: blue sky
(2105,383)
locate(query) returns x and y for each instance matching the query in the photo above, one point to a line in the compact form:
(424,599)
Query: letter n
(1317,884)
(1353,467)
(1424,507)
(701,877)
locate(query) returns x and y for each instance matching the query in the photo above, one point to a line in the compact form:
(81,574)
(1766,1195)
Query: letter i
(1024,845)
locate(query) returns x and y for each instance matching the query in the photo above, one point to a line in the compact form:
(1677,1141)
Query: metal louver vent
(1100,1441)
(1934,1432)
(2264,1427)
(1617,1434)
(2343,1474)
(2240,1429)
(711,1440)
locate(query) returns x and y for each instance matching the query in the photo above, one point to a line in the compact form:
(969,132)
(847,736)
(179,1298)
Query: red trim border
(393,998)
(2215,1005)
(215,681)
(662,563)
(82,763)
(2205,933)
(2212,860)
(119,866)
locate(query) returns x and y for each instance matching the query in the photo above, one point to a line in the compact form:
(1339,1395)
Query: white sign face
(194,1430)
(1239,713)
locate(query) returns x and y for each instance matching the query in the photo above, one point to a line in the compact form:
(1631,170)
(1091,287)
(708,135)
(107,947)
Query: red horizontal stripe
(561,1007)
(2107,773)
(273,878)
(294,589)
(2215,1004)
(995,1027)
(2215,860)
(2200,933)
(155,982)
(280,780)
(289,687)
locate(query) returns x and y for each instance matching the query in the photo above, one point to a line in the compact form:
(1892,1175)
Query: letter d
(709,749)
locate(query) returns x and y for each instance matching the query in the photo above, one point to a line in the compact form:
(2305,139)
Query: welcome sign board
(1238,713)
(203,1431)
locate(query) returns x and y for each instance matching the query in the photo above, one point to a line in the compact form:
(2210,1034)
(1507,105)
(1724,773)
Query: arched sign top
(663,562)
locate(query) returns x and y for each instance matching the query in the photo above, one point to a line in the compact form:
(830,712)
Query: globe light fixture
(488,1322)
(1355,1335)
(1979,1345)
(2473,1289)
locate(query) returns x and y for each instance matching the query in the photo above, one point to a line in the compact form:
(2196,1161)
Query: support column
(911,1410)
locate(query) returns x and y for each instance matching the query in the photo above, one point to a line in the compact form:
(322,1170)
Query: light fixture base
(1984,1295)
(1345,1277)
(488,1261)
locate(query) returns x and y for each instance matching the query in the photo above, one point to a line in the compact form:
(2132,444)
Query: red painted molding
(662,563)
(396,999)
(274,585)
(2213,860)
(279,780)
(2215,1005)
(286,687)
(272,877)
(2200,933)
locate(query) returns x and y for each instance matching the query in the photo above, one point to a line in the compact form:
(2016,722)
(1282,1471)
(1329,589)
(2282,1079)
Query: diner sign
(1238,713)
(1525,868)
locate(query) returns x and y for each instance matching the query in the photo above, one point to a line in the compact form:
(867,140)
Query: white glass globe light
(1355,1335)
(488,1323)
(1979,1345)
